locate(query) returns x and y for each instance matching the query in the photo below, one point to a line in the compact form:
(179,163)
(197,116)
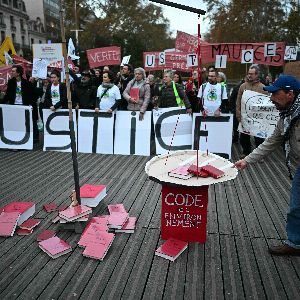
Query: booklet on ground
(116,208)
(46,234)
(91,195)
(55,247)
(171,249)
(8,223)
(95,233)
(117,220)
(73,213)
(26,210)
(129,226)
(30,224)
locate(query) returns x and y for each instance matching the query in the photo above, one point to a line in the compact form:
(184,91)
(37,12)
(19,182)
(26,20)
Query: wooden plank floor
(245,216)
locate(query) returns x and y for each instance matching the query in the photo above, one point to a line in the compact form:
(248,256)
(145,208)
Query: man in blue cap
(286,97)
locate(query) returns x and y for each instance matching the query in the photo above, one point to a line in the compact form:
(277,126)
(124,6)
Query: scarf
(107,85)
(289,116)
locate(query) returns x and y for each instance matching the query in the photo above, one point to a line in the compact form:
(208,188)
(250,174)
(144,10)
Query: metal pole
(71,122)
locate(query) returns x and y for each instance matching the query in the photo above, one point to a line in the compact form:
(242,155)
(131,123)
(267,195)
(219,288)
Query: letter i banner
(184,213)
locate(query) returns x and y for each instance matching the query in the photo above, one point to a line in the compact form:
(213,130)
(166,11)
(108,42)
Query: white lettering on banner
(186,200)
(192,60)
(247,56)
(150,61)
(259,115)
(290,53)
(221,61)
(182,219)
(104,56)
(270,49)
(162,58)
(16,127)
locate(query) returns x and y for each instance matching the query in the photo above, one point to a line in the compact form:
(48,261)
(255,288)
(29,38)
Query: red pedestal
(184,213)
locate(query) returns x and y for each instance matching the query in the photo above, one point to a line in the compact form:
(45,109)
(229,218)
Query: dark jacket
(27,92)
(167,97)
(63,102)
(85,95)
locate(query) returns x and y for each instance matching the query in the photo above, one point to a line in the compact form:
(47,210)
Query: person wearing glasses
(56,93)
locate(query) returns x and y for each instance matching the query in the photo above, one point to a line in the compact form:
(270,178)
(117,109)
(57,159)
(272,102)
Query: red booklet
(73,213)
(26,210)
(55,247)
(24,231)
(129,226)
(171,249)
(213,171)
(180,172)
(50,207)
(98,247)
(91,195)
(135,94)
(116,208)
(92,233)
(117,220)
(30,224)
(45,235)
(197,171)
(8,223)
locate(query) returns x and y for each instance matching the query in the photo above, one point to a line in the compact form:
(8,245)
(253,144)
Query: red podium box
(184,213)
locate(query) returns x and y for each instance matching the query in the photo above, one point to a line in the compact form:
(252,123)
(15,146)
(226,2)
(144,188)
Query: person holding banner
(192,91)
(108,94)
(286,97)
(172,94)
(56,93)
(252,84)
(137,93)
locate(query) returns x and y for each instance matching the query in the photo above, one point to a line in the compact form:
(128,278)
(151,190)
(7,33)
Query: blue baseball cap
(284,82)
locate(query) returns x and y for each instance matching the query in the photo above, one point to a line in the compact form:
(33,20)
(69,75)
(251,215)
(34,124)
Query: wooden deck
(245,216)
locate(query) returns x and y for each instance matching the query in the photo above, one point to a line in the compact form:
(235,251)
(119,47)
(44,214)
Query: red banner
(4,76)
(184,213)
(187,43)
(104,56)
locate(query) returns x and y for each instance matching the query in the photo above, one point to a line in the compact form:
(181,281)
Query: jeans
(293,216)
(246,142)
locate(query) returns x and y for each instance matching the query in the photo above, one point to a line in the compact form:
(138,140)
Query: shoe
(284,250)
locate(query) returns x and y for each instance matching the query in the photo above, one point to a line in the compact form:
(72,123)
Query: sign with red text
(49,52)
(106,56)
(4,77)
(184,213)
(177,61)
(186,42)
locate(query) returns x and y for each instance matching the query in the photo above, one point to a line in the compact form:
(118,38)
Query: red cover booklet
(129,226)
(180,172)
(21,231)
(119,208)
(213,171)
(91,234)
(117,220)
(45,235)
(135,94)
(30,224)
(91,195)
(50,207)
(55,247)
(8,223)
(171,249)
(73,213)
(197,171)
(26,210)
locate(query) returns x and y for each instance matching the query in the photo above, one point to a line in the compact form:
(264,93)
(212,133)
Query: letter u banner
(184,213)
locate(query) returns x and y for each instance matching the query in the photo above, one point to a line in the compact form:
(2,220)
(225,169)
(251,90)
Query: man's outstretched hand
(240,164)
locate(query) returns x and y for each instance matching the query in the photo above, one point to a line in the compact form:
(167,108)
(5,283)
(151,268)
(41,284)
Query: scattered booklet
(180,172)
(213,171)
(21,231)
(98,247)
(135,94)
(91,195)
(117,220)
(116,208)
(26,210)
(55,247)
(73,213)
(8,223)
(129,226)
(171,249)
(50,207)
(82,219)
(93,234)
(30,224)
(45,235)
(197,171)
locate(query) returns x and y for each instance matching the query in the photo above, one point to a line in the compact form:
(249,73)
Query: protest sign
(186,42)
(258,114)
(247,56)
(56,130)
(95,132)
(132,136)
(162,58)
(214,133)
(290,53)
(39,69)
(177,61)
(270,49)
(4,77)
(192,60)
(166,120)
(104,56)
(50,52)
(16,127)
(148,60)
(125,60)
(221,61)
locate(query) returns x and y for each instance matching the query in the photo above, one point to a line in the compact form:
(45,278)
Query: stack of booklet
(27,227)
(78,213)
(25,209)
(91,195)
